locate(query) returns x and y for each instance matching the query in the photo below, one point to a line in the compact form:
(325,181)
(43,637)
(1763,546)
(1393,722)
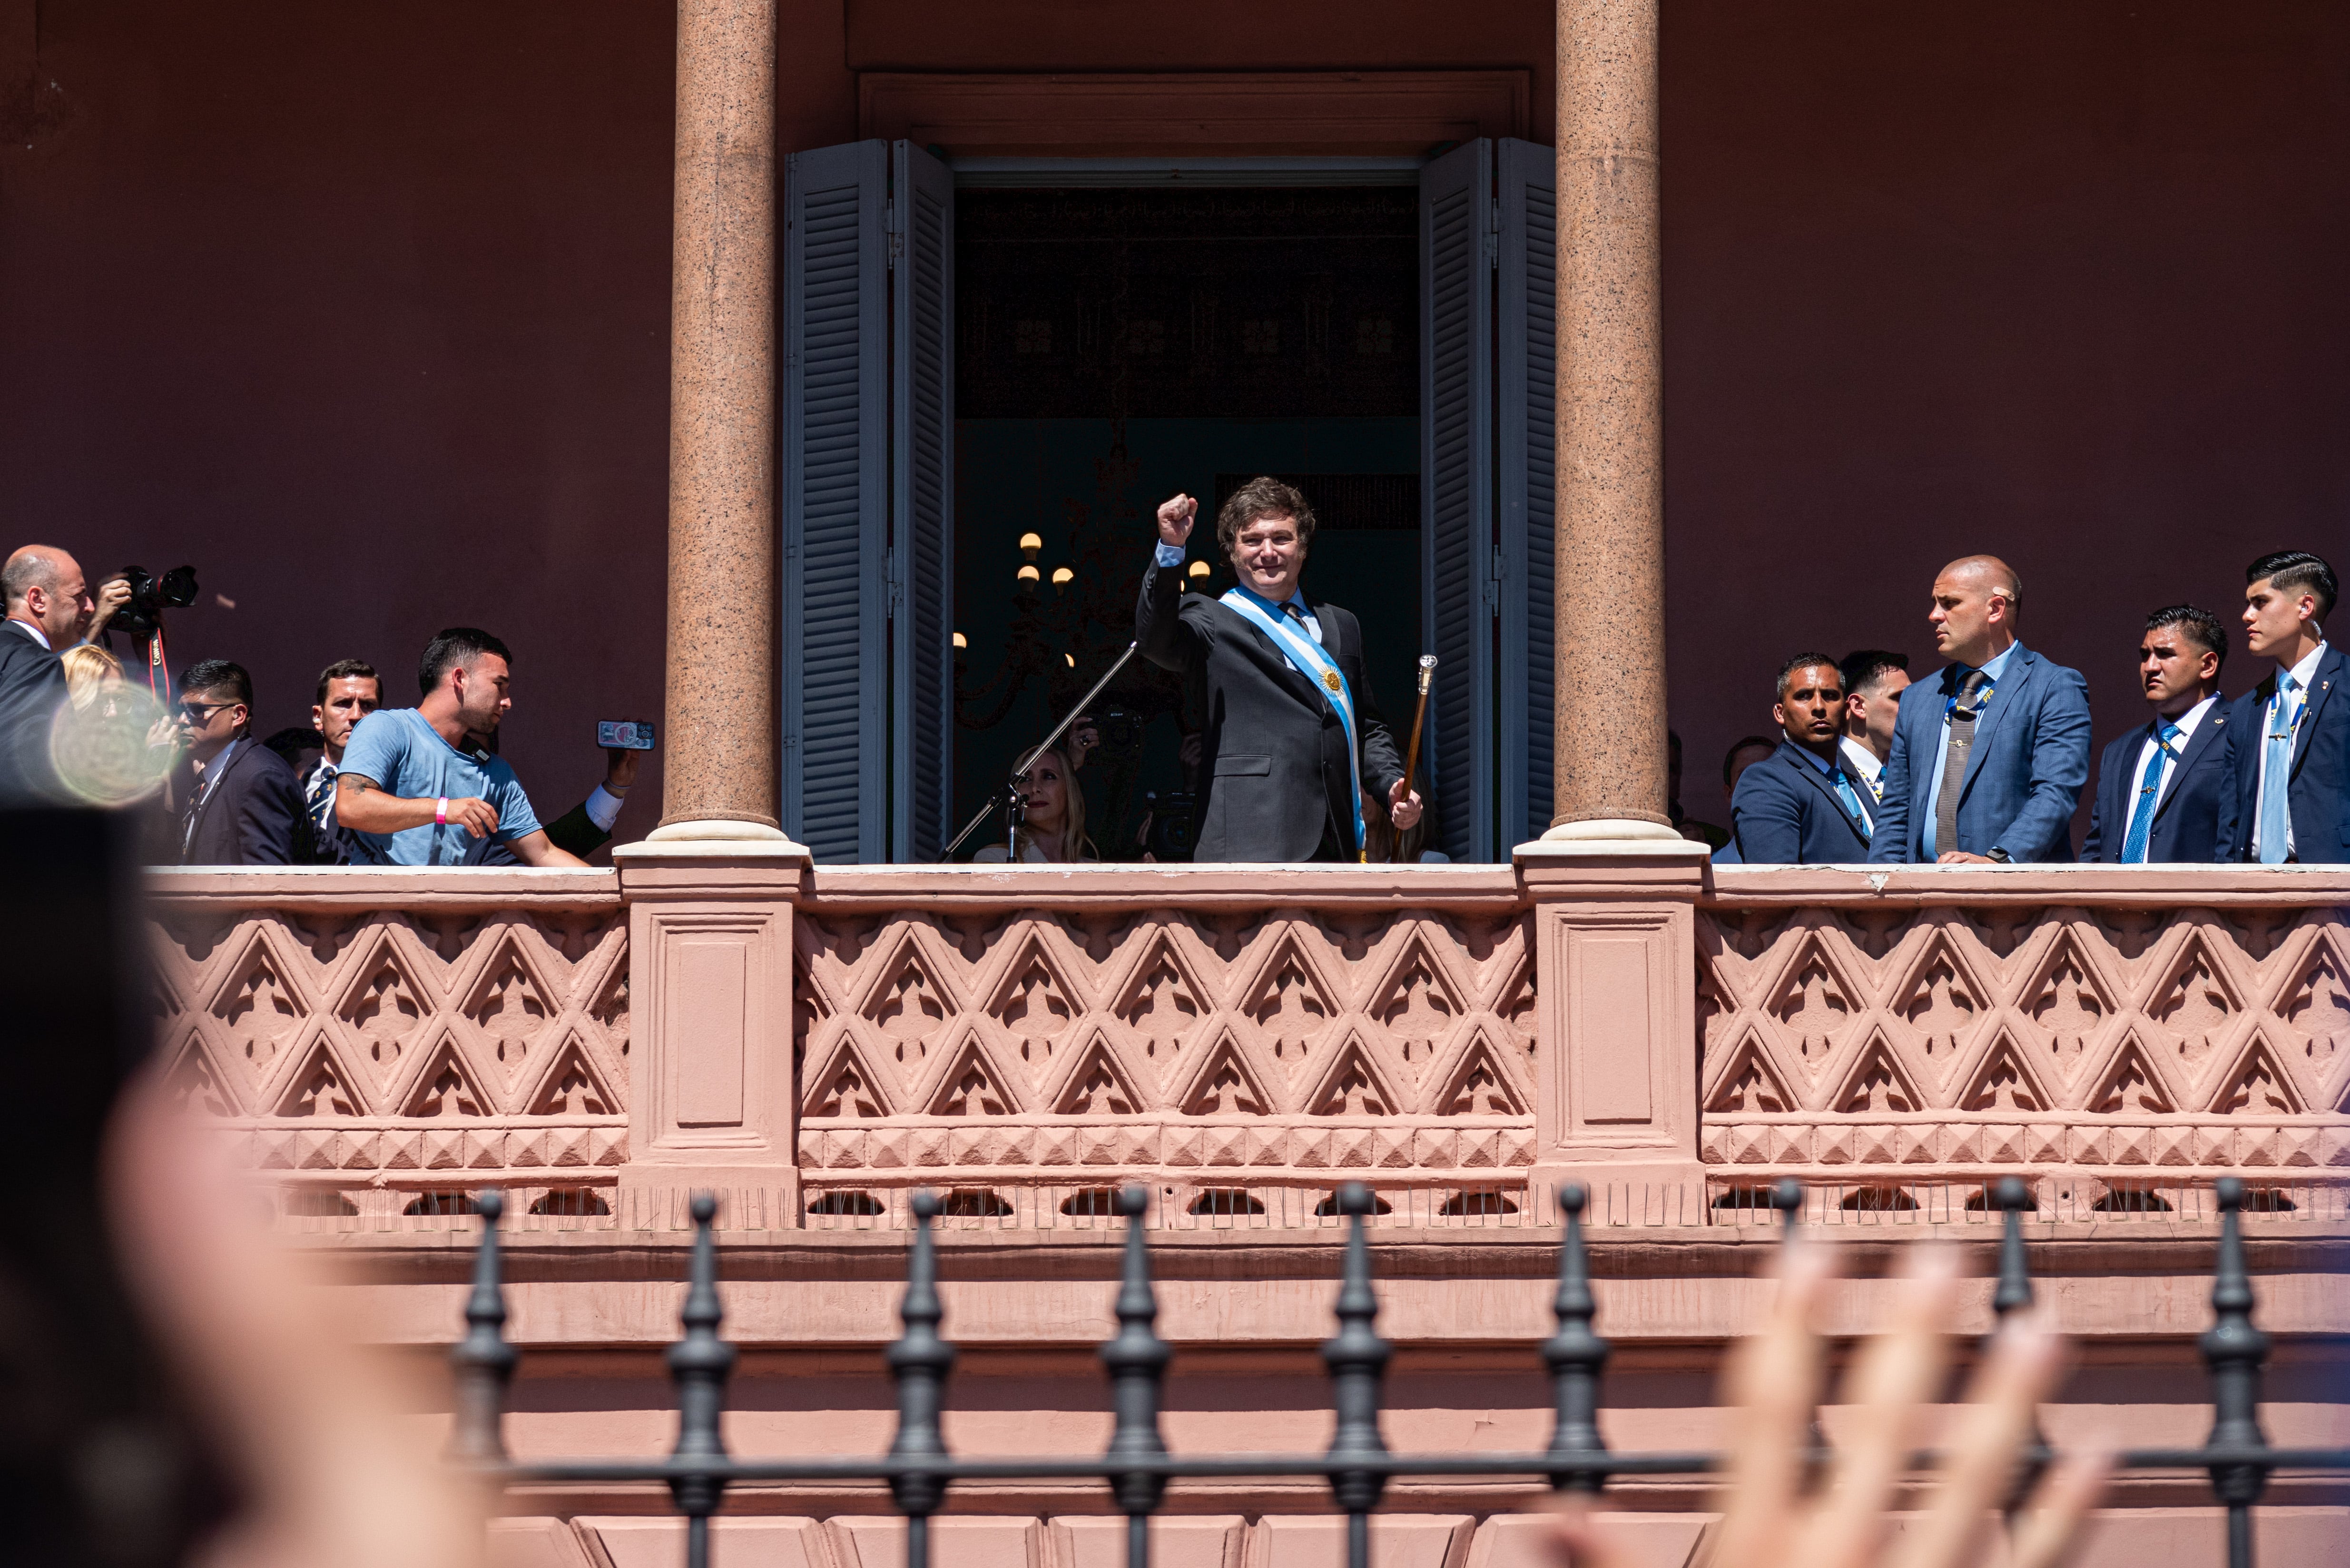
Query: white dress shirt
(34,632)
(2149,755)
(1862,763)
(2282,714)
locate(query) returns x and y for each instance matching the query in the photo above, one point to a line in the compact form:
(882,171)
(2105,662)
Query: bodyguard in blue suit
(1990,755)
(2161,786)
(2292,739)
(1799,806)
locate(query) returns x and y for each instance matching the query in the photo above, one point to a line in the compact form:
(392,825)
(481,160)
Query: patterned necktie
(1851,804)
(1954,762)
(2149,790)
(320,801)
(2276,774)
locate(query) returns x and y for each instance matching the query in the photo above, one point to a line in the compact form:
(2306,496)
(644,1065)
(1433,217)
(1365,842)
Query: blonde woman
(1053,808)
(90,669)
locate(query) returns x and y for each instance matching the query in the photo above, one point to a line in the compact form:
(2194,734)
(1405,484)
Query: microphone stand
(1015,796)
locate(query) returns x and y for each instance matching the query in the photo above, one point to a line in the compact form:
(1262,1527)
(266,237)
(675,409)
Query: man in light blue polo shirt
(417,785)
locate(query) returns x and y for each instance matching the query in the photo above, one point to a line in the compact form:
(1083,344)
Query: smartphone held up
(625,734)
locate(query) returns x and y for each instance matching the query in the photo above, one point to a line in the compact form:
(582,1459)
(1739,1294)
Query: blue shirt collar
(1297,597)
(1996,667)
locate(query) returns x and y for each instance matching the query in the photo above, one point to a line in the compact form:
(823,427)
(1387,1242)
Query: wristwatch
(1999,855)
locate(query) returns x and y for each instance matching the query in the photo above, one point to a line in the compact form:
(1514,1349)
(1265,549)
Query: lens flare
(116,747)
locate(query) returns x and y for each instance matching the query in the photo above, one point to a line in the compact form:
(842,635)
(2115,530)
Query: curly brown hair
(1263,496)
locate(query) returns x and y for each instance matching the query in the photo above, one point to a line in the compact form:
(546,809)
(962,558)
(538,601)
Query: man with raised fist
(1292,734)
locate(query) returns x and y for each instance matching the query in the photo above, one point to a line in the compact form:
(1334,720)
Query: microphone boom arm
(1016,788)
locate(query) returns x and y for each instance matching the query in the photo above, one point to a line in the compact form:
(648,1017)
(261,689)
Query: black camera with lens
(1174,824)
(1118,733)
(151,596)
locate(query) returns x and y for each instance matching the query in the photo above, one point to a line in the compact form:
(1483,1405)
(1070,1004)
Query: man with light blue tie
(2292,741)
(2161,787)
(1989,754)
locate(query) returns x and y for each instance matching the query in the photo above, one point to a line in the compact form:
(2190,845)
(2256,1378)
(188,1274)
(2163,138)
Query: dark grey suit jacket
(32,689)
(1274,779)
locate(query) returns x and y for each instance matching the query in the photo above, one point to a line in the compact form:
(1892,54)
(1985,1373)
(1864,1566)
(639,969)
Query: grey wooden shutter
(835,495)
(922,532)
(1526,433)
(1456,370)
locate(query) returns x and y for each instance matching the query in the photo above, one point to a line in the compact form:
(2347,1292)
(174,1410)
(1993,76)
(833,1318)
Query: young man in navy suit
(2161,786)
(1800,805)
(1989,754)
(2292,739)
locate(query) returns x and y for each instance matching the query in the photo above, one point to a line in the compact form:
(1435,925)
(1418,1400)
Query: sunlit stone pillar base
(1615,1029)
(1612,830)
(717,832)
(713,1095)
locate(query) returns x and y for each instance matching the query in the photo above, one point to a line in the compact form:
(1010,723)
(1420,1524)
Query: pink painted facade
(2049,283)
(817,1043)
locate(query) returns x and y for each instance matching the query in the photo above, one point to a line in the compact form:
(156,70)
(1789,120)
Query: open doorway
(982,366)
(1116,346)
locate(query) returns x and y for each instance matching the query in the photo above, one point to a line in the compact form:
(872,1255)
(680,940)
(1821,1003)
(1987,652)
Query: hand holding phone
(625,734)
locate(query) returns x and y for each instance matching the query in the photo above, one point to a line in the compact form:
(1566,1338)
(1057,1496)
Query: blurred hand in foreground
(319,1435)
(1771,1519)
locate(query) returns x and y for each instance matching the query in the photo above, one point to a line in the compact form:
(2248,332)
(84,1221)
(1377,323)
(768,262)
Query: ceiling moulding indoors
(1261,114)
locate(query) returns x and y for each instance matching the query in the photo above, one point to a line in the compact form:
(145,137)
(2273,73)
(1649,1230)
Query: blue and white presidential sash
(1312,661)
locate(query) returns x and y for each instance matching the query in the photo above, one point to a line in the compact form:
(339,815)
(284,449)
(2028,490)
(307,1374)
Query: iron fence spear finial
(1575,1353)
(701,1363)
(1137,1358)
(2234,1351)
(2013,1199)
(483,1360)
(1357,1358)
(920,1359)
(1787,1197)
(2009,1295)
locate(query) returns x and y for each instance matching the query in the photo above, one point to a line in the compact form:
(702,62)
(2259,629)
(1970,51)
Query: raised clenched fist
(1175,519)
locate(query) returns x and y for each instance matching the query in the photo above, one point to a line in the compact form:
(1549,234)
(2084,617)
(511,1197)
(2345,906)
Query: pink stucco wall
(365,313)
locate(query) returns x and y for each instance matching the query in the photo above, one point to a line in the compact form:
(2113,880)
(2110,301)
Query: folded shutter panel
(836,415)
(1456,467)
(922,502)
(1526,287)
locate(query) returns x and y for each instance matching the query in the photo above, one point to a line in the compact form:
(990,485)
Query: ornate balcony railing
(2116,1033)
(390,1040)
(1220,1045)
(1026,1043)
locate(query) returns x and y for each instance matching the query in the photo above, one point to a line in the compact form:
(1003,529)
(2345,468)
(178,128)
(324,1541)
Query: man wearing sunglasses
(245,802)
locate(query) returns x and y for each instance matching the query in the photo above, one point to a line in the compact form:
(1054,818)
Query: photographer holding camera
(48,608)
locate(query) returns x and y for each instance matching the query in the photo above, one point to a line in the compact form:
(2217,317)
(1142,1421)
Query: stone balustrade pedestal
(1615,1062)
(713,1093)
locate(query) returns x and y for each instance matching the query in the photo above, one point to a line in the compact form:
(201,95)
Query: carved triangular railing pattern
(380,1051)
(1284,1044)
(2110,1040)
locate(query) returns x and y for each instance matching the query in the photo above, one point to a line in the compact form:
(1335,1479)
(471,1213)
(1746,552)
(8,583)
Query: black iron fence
(1136,1468)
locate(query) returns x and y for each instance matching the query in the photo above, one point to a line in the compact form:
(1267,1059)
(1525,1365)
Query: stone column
(720,762)
(1608,756)
(713,1099)
(1614,887)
